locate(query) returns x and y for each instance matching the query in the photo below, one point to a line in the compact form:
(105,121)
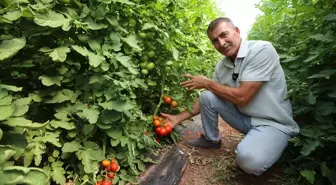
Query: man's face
(226,39)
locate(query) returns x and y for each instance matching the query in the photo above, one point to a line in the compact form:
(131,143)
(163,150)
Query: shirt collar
(243,49)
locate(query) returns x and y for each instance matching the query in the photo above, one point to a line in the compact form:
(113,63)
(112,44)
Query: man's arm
(240,96)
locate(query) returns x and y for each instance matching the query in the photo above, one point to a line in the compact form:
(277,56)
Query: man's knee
(206,97)
(251,163)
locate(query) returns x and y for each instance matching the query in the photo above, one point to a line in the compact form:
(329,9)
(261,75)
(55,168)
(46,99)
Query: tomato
(155,118)
(142,35)
(114,161)
(144,71)
(144,58)
(114,166)
(157,140)
(132,22)
(107,182)
(169,128)
(108,169)
(98,183)
(163,131)
(105,163)
(174,104)
(146,133)
(157,123)
(151,54)
(161,119)
(143,64)
(150,66)
(151,35)
(111,175)
(167,100)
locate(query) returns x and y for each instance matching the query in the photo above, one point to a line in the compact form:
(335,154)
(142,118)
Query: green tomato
(132,22)
(143,64)
(151,35)
(151,54)
(144,58)
(142,35)
(169,63)
(144,71)
(150,66)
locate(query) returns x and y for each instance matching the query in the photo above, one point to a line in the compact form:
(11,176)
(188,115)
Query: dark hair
(215,23)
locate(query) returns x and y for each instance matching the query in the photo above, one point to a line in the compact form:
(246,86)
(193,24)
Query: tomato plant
(78,77)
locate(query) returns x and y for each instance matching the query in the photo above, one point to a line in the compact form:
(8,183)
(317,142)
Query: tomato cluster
(111,168)
(162,127)
(169,101)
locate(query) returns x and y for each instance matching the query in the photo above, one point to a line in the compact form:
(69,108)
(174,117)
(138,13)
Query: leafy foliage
(304,34)
(72,91)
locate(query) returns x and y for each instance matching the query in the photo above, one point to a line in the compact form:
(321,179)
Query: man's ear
(237,30)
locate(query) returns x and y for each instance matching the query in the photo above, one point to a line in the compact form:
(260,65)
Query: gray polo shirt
(259,61)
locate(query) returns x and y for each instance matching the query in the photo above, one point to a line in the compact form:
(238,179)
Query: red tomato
(155,117)
(105,163)
(108,169)
(114,167)
(111,175)
(98,183)
(107,182)
(169,128)
(163,131)
(167,100)
(158,130)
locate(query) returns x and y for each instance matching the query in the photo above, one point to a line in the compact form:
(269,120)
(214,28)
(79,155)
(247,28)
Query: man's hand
(196,82)
(173,119)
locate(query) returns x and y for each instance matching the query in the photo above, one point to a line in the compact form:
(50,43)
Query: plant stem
(161,98)
(104,145)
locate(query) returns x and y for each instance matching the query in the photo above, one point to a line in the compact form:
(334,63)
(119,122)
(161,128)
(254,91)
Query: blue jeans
(261,147)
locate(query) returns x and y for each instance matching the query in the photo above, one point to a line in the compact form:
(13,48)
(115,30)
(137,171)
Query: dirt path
(217,166)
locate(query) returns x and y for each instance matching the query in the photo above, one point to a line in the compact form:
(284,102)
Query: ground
(217,166)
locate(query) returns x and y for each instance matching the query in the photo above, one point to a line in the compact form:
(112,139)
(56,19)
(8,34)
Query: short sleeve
(261,64)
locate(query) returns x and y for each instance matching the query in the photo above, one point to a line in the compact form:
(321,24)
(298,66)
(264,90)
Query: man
(249,93)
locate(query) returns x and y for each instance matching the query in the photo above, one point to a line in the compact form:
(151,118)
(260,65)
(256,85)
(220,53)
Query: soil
(218,167)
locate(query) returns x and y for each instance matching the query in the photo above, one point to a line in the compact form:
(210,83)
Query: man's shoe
(204,143)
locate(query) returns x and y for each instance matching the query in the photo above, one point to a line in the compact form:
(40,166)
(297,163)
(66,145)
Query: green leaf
(141,166)
(59,54)
(309,146)
(6,112)
(175,53)
(325,108)
(81,50)
(126,62)
(62,124)
(332,176)
(324,38)
(147,26)
(6,100)
(91,114)
(52,138)
(133,42)
(324,169)
(105,1)
(330,17)
(50,18)
(13,15)
(91,24)
(49,81)
(118,105)
(124,2)
(71,147)
(6,153)
(22,101)
(28,157)
(25,123)
(20,110)
(87,129)
(17,141)
(62,96)
(309,175)
(9,48)
(94,44)
(1,134)
(95,60)
(323,74)
(58,172)
(24,175)
(109,116)
(115,134)
(90,158)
